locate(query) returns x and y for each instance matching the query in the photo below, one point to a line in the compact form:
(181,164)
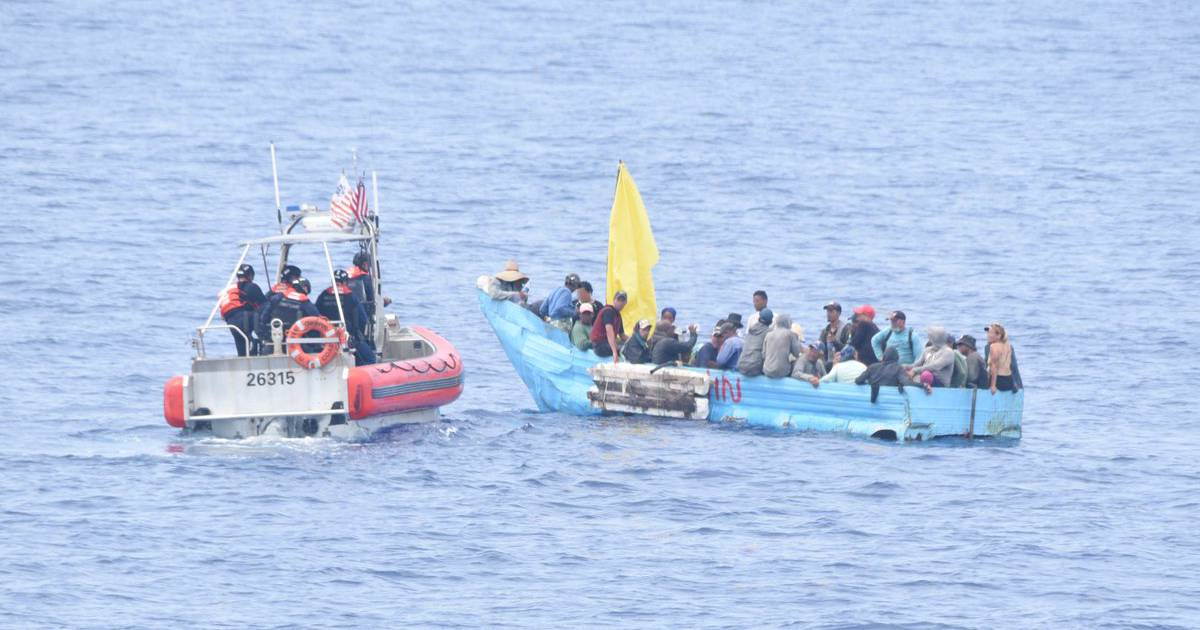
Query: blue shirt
(731,351)
(705,354)
(559,305)
(900,341)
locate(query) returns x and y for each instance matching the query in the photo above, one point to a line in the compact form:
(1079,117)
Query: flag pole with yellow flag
(632,252)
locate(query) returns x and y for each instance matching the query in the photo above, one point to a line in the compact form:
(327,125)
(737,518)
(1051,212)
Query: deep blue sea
(1033,163)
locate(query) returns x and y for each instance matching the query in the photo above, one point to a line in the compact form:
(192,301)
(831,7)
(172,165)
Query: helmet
(302,285)
(290,272)
(244,271)
(361,258)
(341,276)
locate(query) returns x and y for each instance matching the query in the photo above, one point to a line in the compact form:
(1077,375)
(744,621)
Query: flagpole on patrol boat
(275,177)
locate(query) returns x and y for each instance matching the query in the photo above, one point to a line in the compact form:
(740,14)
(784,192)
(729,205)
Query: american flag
(348,204)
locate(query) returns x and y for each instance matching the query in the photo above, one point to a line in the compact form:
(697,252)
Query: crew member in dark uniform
(288,307)
(290,272)
(361,283)
(239,304)
(356,316)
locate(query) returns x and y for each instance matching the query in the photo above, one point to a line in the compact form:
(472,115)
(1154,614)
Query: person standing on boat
(362,284)
(759,300)
(288,307)
(751,361)
(290,273)
(239,304)
(780,345)
(907,343)
(861,333)
(608,333)
(1001,363)
(836,334)
(355,313)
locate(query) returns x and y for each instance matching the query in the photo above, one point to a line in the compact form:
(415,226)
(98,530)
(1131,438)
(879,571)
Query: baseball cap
(834,304)
(898,315)
(586,308)
(865,309)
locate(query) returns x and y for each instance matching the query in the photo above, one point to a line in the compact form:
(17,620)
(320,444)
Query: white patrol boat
(301,379)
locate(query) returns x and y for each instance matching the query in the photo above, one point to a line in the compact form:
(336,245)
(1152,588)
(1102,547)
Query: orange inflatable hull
(399,386)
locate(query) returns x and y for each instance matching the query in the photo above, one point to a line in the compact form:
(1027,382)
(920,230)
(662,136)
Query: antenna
(275,176)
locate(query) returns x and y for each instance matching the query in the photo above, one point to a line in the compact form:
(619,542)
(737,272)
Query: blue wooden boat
(559,378)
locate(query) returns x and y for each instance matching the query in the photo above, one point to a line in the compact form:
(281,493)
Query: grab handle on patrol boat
(276,336)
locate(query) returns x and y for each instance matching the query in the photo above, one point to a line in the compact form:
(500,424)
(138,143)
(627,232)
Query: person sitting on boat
(835,335)
(907,343)
(637,349)
(886,373)
(355,316)
(288,307)
(977,373)
(759,300)
(862,332)
(751,361)
(810,365)
(667,347)
(846,367)
(558,306)
(731,348)
(509,284)
(239,304)
(779,346)
(608,332)
(936,358)
(581,330)
(290,273)
(706,356)
(583,295)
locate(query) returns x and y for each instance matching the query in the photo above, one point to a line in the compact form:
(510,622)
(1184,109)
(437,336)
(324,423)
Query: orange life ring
(329,349)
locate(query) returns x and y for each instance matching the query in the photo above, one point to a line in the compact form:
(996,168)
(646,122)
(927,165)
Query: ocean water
(1034,163)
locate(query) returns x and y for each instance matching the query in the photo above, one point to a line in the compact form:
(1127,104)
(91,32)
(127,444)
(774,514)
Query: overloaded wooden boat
(562,378)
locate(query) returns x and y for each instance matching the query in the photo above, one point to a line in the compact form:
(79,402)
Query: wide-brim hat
(511,273)
(735,319)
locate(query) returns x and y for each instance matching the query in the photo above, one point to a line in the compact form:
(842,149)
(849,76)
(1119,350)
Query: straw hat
(511,273)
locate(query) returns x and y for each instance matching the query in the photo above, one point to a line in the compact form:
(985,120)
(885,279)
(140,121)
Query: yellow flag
(632,253)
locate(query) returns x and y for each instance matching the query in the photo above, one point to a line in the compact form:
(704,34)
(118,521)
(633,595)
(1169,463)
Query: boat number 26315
(267,379)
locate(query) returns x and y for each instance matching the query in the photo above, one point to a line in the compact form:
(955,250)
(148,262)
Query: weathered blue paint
(557,377)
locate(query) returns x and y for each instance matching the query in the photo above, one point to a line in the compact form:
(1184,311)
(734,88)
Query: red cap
(865,309)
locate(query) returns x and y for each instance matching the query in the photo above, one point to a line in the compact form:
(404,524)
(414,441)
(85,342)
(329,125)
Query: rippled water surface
(963,161)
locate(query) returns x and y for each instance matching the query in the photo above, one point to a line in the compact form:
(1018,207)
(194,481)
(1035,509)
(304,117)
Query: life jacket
(599,334)
(280,287)
(287,310)
(231,300)
(327,305)
(358,282)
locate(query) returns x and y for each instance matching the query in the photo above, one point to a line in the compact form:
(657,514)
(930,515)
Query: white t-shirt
(845,372)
